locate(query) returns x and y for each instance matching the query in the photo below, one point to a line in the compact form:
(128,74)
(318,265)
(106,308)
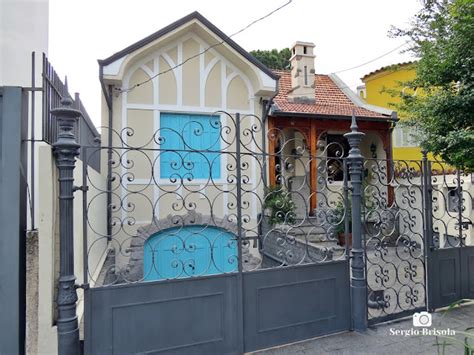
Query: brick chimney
(302,73)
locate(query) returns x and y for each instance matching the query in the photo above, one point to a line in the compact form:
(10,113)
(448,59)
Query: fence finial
(354,127)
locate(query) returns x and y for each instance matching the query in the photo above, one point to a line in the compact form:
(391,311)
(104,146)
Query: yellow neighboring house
(377,90)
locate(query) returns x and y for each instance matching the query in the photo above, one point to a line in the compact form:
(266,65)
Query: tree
(442,36)
(274,59)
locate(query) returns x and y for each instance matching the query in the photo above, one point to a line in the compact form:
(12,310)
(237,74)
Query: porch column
(313,168)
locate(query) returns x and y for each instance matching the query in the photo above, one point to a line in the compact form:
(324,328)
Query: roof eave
(278,113)
(356,100)
(194,15)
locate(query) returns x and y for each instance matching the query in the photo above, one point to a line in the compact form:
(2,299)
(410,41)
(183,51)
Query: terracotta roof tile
(330,99)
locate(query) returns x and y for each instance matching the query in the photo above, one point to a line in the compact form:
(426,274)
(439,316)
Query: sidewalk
(380,339)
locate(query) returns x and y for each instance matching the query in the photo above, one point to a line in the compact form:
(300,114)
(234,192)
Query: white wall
(23,29)
(48,244)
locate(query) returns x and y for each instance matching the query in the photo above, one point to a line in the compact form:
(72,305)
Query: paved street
(380,340)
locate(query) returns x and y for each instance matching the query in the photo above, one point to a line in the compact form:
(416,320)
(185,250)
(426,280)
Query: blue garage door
(189,251)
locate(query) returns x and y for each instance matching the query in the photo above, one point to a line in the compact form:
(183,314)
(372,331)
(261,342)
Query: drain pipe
(266,106)
(108,100)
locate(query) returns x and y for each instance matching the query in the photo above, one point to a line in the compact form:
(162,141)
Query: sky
(347,33)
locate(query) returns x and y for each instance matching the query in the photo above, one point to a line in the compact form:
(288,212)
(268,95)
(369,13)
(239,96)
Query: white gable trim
(114,67)
(178,74)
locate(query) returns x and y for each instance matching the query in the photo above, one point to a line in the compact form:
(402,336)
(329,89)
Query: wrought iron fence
(411,210)
(394,236)
(186,205)
(198,195)
(451,206)
(53,91)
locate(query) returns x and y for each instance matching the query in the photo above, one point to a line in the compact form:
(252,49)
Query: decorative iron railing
(53,91)
(185,205)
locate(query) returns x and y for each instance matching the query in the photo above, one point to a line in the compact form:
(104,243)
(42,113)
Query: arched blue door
(189,251)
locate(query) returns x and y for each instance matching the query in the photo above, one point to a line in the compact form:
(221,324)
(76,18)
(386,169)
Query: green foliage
(279,203)
(339,213)
(468,335)
(442,36)
(273,59)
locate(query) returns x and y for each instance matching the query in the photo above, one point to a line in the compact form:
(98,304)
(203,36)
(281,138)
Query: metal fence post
(427,225)
(358,275)
(238,172)
(65,150)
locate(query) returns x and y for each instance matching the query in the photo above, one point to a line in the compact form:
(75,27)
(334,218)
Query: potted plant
(279,206)
(339,216)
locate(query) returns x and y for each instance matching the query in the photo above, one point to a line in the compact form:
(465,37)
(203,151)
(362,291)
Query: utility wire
(207,49)
(345,86)
(372,60)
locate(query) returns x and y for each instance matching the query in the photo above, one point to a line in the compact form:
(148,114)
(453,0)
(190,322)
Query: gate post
(358,272)
(427,227)
(65,150)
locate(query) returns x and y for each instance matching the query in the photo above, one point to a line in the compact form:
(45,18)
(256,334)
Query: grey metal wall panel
(290,304)
(445,278)
(467,272)
(87,138)
(13,113)
(192,316)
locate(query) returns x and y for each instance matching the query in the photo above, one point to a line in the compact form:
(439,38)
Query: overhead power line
(207,49)
(372,60)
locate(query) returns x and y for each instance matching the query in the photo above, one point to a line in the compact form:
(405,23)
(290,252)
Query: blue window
(189,251)
(187,140)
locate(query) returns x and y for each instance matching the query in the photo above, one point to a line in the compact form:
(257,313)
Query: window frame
(341,159)
(452,203)
(196,181)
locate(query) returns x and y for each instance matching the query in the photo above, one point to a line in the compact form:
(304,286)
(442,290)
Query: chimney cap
(302,43)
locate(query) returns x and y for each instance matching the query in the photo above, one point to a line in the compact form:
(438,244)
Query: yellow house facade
(378,89)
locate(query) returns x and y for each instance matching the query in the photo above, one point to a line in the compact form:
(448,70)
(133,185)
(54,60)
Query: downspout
(266,106)
(108,100)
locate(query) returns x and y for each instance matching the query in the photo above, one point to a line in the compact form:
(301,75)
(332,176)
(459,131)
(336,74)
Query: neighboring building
(23,29)
(379,89)
(29,260)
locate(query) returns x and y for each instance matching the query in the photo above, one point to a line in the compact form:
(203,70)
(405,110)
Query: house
(381,87)
(378,89)
(152,101)
(316,109)
(170,104)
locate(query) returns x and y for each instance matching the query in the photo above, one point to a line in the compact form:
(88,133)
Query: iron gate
(418,237)
(449,236)
(205,254)
(394,238)
(204,251)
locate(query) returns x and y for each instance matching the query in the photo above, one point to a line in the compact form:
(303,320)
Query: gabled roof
(392,67)
(332,98)
(192,16)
